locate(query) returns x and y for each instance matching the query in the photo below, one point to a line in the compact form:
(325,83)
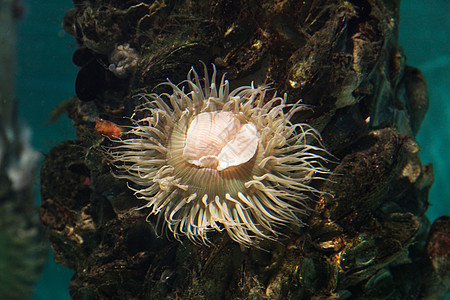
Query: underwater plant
(206,158)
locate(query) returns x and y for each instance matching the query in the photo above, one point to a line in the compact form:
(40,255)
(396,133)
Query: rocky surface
(369,238)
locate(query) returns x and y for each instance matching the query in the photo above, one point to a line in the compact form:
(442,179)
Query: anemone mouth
(211,159)
(218,140)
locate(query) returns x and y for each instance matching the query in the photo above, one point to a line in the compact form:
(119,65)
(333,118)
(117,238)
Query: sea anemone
(206,159)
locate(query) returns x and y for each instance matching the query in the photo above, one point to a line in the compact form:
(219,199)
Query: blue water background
(46,77)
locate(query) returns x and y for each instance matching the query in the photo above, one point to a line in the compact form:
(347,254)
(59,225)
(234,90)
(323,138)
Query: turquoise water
(46,76)
(425,36)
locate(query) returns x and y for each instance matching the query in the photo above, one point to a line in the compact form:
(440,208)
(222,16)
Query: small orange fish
(107,128)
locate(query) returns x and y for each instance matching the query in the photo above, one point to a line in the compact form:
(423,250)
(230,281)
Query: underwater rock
(367,235)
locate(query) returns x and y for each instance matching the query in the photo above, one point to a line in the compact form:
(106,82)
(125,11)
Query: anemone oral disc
(218,140)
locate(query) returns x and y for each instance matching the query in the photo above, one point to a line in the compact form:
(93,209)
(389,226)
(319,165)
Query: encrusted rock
(367,237)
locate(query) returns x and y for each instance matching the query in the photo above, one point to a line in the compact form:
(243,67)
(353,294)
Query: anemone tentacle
(209,159)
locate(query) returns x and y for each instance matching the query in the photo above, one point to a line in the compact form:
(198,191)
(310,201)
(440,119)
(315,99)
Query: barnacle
(122,60)
(209,159)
